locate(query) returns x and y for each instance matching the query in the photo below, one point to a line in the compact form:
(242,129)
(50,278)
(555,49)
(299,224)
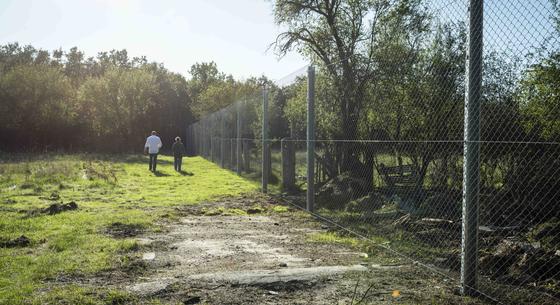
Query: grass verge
(117,199)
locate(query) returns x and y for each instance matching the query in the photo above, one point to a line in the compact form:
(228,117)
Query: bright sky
(233,33)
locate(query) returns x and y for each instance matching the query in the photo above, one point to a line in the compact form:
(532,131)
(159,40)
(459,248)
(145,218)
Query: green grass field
(114,194)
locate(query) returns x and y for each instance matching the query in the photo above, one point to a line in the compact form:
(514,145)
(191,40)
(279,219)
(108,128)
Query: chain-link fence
(435,148)
(231,137)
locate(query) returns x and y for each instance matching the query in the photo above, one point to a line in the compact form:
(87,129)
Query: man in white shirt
(152,146)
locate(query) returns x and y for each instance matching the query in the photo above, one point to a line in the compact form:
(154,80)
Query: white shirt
(153,144)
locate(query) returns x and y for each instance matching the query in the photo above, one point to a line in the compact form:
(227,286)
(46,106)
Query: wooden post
(288,165)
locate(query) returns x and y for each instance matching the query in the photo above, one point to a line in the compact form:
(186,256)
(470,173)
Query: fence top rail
(400,141)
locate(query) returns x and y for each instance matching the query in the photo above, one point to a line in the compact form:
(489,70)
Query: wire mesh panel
(251,113)
(286,137)
(230,137)
(389,142)
(389,159)
(519,191)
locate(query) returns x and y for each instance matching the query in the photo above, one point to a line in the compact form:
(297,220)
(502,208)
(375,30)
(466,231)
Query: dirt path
(265,257)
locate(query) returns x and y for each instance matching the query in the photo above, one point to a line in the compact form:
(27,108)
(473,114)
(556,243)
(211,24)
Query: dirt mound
(56,208)
(367,204)
(124,230)
(21,241)
(340,190)
(547,234)
(52,209)
(521,262)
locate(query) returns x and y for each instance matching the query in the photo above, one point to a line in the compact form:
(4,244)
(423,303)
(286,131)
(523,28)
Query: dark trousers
(177,163)
(153,162)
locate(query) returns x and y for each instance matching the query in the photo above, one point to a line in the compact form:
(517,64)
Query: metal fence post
(196,139)
(264,165)
(232,151)
(188,139)
(471,164)
(310,138)
(238,140)
(213,148)
(202,125)
(203,138)
(207,137)
(222,141)
(192,140)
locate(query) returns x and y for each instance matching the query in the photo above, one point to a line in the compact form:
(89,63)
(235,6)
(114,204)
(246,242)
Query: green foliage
(407,83)
(540,97)
(280,209)
(212,90)
(107,103)
(386,72)
(38,97)
(119,102)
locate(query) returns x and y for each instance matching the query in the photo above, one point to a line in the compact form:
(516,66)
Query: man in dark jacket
(178,151)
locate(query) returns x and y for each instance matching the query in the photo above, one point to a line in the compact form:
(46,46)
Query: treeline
(61,100)
(64,101)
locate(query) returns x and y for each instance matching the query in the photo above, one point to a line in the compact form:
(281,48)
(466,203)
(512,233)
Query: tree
(35,107)
(203,75)
(212,90)
(107,102)
(117,105)
(12,55)
(540,98)
(74,66)
(343,38)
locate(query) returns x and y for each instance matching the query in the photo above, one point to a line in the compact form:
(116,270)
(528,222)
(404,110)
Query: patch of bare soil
(123,230)
(265,258)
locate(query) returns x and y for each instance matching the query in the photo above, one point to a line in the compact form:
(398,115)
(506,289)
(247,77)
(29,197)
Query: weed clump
(280,209)
(100,170)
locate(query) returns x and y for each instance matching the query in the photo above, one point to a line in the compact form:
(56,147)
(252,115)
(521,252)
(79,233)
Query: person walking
(178,151)
(152,147)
